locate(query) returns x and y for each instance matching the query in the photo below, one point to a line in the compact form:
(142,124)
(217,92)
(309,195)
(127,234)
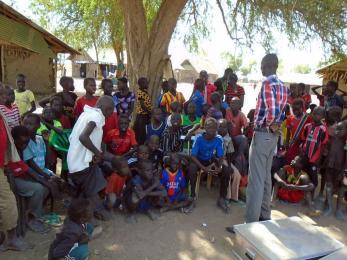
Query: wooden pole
(2,62)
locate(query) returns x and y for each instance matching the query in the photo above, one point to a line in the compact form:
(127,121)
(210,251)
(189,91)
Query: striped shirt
(11,114)
(314,138)
(169,98)
(271,102)
(171,141)
(230,93)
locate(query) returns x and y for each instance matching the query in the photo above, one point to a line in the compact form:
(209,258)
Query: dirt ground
(175,235)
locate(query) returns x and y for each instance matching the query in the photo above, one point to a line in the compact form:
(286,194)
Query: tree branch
(225,22)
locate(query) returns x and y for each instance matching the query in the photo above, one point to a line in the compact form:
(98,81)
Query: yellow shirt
(23,100)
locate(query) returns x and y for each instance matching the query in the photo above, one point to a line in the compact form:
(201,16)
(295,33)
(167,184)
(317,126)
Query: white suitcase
(289,238)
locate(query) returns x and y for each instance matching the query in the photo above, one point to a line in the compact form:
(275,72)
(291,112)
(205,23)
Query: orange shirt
(81,102)
(237,122)
(119,145)
(168,98)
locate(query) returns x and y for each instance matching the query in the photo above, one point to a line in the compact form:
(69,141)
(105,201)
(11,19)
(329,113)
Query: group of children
(156,166)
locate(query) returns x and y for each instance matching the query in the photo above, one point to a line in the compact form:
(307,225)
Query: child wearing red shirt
(56,103)
(88,99)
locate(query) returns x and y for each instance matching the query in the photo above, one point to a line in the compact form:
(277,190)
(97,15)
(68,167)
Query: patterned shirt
(123,103)
(143,95)
(169,98)
(314,138)
(230,93)
(171,141)
(271,102)
(11,114)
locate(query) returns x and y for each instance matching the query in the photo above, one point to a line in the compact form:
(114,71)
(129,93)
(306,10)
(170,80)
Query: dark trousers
(140,127)
(225,176)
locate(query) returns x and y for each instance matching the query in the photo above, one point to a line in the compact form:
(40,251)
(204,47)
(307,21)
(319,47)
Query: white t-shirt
(78,156)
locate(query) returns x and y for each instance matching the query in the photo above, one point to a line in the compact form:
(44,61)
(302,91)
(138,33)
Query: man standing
(268,117)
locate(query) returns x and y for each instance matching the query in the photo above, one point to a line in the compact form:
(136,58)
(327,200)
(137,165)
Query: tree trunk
(118,50)
(147,52)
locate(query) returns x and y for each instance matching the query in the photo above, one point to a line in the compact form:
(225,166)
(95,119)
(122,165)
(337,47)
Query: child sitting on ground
(88,99)
(121,141)
(143,192)
(233,189)
(9,109)
(141,153)
(72,241)
(293,184)
(24,98)
(157,125)
(29,184)
(175,183)
(155,154)
(67,95)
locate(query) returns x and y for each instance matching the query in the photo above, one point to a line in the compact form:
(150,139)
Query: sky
(219,43)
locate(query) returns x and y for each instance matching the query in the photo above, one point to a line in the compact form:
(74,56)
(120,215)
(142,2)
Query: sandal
(53,219)
(38,226)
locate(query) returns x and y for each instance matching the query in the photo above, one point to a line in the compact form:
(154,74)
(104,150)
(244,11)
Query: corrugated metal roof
(56,44)
(24,36)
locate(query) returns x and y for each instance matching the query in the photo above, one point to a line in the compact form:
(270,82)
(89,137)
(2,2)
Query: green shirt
(186,121)
(43,128)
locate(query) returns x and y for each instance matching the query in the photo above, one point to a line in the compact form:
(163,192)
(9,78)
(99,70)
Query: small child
(143,110)
(293,184)
(190,118)
(173,180)
(141,153)
(111,122)
(107,87)
(198,96)
(88,99)
(250,129)
(236,117)
(157,124)
(121,140)
(155,154)
(216,110)
(233,189)
(67,95)
(9,109)
(143,192)
(49,126)
(56,103)
(72,241)
(24,98)
(124,99)
(315,137)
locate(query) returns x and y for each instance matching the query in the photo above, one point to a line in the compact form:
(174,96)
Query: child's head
(48,114)
(235,104)
(106,104)
(10,97)
(32,122)
(172,84)
(333,115)
(301,89)
(157,114)
(153,142)
(331,87)
(223,127)
(80,210)
(191,108)
(250,115)
(205,108)
(175,107)
(67,83)
(165,86)
(2,95)
(174,162)
(211,126)
(232,79)
(297,163)
(227,72)
(215,98)
(20,82)
(341,129)
(56,103)
(176,120)
(200,85)
(145,169)
(219,84)
(121,166)
(294,90)
(318,114)
(21,137)
(90,86)
(142,152)
(123,123)
(122,84)
(298,106)
(107,87)
(204,76)
(143,83)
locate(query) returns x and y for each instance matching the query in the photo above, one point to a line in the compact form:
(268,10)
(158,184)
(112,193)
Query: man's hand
(98,158)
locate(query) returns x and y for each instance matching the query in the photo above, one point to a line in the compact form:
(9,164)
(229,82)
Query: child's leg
(192,173)
(341,191)
(235,183)
(329,192)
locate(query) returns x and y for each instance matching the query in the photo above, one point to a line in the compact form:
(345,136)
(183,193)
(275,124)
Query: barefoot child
(24,98)
(174,182)
(88,99)
(72,241)
(143,192)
